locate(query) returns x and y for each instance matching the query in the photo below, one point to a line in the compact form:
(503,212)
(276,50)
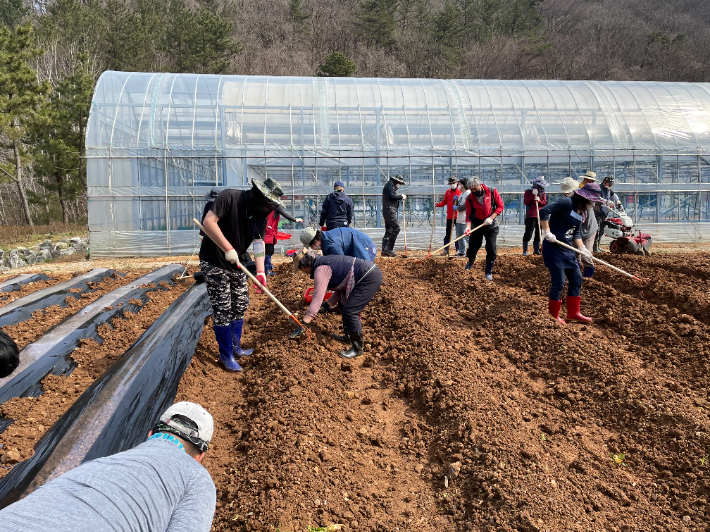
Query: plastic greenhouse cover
(51,353)
(22,309)
(116,412)
(14,284)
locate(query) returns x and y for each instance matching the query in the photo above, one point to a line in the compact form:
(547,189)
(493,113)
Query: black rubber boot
(345,338)
(385,247)
(469,265)
(536,247)
(356,349)
(525,249)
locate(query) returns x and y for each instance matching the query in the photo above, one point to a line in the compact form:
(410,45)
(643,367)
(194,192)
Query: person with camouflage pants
(235,220)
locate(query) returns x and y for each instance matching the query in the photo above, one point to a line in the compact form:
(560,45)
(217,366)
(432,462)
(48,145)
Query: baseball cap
(338,184)
(307,236)
(174,418)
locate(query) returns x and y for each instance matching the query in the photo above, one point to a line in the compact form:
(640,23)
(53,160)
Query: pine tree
(21,97)
(377,21)
(59,136)
(12,13)
(448,32)
(299,16)
(337,66)
(200,41)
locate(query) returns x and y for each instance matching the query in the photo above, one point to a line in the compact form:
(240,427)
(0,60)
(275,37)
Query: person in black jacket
(390,205)
(337,208)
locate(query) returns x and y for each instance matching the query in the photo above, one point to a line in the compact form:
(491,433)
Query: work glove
(323,228)
(231,256)
(488,221)
(456,199)
(586,253)
(324,308)
(404,197)
(299,220)
(534,192)
(261,277)
(549,236)
(201,237)
(297,333)
(610,204)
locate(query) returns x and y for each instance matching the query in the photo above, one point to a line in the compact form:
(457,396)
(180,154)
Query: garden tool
(450,243)
(639,279)
(265,290)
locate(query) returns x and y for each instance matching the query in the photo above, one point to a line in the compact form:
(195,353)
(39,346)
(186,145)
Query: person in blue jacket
(561,222)
(341,241)
(337,210)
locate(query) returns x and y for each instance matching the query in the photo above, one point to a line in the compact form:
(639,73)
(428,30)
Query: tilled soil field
(34,416)
(471,409)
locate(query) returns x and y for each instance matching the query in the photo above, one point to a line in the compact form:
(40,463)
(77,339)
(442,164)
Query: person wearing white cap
(159,485)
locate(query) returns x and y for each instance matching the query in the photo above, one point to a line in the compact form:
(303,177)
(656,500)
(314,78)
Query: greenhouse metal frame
(157,142)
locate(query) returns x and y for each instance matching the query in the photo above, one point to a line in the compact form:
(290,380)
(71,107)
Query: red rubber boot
(573,313)
(554,307)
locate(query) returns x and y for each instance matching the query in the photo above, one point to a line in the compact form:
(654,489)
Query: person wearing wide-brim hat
(235,220)
(588,177)
(589,230)
(390,205)
(562,222)
(354,283)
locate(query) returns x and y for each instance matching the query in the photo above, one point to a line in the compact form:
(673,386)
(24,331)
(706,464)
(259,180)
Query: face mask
(396,187)
(453,187)
(479,193)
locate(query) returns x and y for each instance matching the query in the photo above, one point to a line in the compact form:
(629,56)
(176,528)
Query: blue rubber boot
(223,334)
(489,270)
(237,339)
(268,266)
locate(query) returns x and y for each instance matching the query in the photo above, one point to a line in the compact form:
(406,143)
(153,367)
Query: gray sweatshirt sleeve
(195,511)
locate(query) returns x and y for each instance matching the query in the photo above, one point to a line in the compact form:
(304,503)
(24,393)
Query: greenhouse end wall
(156,143)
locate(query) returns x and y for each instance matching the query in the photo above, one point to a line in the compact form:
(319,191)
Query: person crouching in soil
(354,283)
(562,222)
(235,220)
(340,241)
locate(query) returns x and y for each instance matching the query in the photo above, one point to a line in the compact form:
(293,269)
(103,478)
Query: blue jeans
(558,275)
(461,244)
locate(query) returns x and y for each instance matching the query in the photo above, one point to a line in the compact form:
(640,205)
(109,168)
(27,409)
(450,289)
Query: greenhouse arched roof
(149,114)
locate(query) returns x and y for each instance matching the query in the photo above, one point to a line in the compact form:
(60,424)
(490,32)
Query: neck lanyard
(167,437)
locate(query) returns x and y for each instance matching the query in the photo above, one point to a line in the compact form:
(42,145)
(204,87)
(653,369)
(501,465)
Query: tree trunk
(82,177)
(3,219)
(62,200)
(20,185)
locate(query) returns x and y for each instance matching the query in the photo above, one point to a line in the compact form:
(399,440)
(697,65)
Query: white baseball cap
(195,413)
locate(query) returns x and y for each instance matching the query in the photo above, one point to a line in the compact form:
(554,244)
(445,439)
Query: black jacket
(390,198)
(337,207)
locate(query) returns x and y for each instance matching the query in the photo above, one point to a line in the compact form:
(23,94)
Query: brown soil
(9,297)
(471,410)
(33,416)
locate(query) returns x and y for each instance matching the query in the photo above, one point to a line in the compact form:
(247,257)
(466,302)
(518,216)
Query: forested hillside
(52,51)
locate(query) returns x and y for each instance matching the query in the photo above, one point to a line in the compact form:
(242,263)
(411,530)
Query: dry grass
(12,236)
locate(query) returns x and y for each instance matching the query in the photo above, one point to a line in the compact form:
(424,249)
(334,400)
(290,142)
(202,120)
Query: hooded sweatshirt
(337,208)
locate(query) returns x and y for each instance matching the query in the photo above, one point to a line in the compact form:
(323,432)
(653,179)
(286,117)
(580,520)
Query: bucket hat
(568,184)
(398,179)
(307,236)
(310,255)
(590,191)
(270,188)
(540,182)
(452,180)
(213,193)
(589,176)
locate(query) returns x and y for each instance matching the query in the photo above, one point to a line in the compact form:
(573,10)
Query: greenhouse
(156,143)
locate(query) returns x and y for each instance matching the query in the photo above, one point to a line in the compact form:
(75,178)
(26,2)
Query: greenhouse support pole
(433,203)
(364,216)
(293,189)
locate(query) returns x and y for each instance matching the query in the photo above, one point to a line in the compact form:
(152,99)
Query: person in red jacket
(531,224)
(450,213)
(272,227)
(483,206)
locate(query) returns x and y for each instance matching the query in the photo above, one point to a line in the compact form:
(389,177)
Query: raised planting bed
(14,284)
(116,412)
(51,353)
(22,309)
